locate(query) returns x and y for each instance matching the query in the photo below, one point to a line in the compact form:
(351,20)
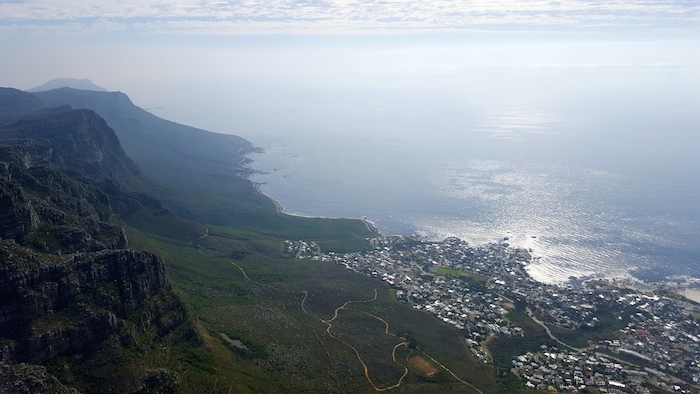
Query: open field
(423,366)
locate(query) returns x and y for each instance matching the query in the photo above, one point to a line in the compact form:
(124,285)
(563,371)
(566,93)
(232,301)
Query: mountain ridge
(166,152)
(56,83)
(86,303)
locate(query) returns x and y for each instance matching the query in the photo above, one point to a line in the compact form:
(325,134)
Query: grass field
(451,272)
(423,366)
(475,280)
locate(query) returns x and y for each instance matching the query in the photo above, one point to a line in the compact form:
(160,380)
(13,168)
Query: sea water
(596,168)
(600,185)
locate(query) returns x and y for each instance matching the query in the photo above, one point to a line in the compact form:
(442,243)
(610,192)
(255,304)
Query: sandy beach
(280,207)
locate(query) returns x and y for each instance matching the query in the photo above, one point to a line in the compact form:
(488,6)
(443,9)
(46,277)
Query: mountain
(82,141)
(71,292)
(83,84)
(17,102)
(168,152)
(86,302)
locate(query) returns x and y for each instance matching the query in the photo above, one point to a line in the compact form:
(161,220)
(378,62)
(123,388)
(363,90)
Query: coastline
(278,206)
(246,162)
(623,278)
(248,170)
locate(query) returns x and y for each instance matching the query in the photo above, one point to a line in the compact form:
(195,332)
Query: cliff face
(52,306)
(168,152)
(68,283)
(75,140)
(46,209)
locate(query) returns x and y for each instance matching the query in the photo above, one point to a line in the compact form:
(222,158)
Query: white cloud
(318,16)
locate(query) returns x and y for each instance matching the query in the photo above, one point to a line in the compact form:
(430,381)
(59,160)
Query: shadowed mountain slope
(169,153)
(202,174)
(16,102)
(70,290)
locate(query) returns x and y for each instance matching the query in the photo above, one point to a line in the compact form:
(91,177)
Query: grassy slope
(504,349)
(197,176)
(291,347)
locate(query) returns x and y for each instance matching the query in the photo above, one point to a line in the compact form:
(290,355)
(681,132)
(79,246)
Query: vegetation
(676,296)
(504,349)
(478,282)
(451,272)
(257,298)
(255,320)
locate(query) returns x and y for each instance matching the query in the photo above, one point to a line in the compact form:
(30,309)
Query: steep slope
(16,102)
(82,142)
(70,291)
(169,153)
(200,171)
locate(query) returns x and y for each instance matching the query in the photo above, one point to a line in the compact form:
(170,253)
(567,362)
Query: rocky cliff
(69,285)
(51,306)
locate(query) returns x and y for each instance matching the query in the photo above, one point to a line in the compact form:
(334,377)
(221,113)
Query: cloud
(333,16)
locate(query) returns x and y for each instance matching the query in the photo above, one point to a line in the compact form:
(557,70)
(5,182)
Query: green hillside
(246,316)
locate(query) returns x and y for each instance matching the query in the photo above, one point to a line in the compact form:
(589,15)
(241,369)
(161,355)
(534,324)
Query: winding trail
(549,332)
(329,323)
(241,268)
(386,330)
(206,233)
(452,373)
(344,306)
(393,354)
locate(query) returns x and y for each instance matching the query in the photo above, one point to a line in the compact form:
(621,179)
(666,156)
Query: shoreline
(249,170)
(625,281)
(278,206)
(371,227)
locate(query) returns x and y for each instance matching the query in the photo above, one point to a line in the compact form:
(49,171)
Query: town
(639,341)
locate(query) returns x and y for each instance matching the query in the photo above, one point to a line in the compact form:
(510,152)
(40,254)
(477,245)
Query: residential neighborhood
(640,340)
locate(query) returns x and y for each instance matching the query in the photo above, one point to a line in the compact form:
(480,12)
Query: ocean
(595,169)
(599,186)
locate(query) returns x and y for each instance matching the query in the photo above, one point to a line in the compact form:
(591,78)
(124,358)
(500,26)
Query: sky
(355,69)
(340,16)
(166,53)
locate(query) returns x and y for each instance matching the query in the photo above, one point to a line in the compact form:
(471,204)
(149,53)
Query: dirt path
(386,330)
(452,373)
(206,233)
(303,300)
(241,268)
(344,306)
(546,328)
(329,324)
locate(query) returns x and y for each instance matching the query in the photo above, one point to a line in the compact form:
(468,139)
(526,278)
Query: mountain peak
(82,84)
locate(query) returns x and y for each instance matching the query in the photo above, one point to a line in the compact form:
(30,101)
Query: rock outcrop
(69,285)
(30,379)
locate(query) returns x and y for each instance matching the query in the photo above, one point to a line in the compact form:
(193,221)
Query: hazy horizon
(170,53)
(519,93)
